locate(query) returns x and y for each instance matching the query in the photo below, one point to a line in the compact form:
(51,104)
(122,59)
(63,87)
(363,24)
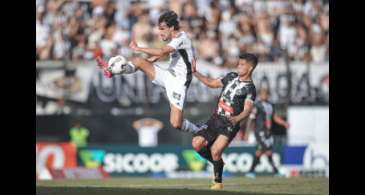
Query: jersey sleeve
(194,53)
(230,76)
(176,43)
(251,93)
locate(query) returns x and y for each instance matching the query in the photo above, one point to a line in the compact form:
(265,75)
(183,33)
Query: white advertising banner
(308,125)
(309,84)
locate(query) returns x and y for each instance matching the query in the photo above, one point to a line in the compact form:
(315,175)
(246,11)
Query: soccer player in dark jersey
(235,104)
(262,115)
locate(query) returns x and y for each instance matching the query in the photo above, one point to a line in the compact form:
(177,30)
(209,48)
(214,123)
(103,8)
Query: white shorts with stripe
(175,85)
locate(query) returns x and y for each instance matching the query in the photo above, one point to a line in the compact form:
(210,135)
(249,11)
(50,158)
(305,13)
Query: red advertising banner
(55,155)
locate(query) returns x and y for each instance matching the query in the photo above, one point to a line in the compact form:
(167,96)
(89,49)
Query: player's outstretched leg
(256,161)
(216,151)
(120,65)
(188,126)
(271,161)
(103,65)
(200,144)
(178,122)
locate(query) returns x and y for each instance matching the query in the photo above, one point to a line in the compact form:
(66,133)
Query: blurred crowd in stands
(273,29)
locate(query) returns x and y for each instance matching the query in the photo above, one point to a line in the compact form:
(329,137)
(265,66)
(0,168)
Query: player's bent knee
(176,124)
(216,152)
(197,143)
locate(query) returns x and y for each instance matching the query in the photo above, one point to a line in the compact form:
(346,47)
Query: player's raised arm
(250,121)
(153,58)
(280,121)
(244,114)
(151,51)
(210,82)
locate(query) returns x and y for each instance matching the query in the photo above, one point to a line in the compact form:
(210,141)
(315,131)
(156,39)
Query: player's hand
(193,68)
(133,45)
(234,120)
(286,125)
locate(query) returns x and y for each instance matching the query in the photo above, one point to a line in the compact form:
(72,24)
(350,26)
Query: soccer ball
(116,64)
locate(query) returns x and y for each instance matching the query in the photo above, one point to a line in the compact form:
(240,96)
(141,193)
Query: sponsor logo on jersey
(176,95)
(225,107)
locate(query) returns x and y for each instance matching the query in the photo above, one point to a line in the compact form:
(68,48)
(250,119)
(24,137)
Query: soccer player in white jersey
(175,79)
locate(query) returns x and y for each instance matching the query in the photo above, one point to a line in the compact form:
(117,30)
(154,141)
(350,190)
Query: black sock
(205,152)
(255,162)
(272,163)
(218,170)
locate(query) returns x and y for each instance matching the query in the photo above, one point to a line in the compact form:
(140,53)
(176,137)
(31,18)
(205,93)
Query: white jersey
(181,59)
(177,77)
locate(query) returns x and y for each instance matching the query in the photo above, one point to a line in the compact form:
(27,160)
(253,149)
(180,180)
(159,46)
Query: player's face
(165,31)
(243,67)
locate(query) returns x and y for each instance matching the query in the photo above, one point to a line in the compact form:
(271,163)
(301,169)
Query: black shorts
(218,125)
(264,141)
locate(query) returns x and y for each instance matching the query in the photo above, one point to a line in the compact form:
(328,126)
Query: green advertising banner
(169,160)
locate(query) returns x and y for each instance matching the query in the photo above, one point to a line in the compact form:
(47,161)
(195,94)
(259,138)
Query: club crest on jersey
(230,129)
(249,96)
(176,95)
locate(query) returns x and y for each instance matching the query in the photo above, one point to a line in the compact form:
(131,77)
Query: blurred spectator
(147,129)
(56,107)
(142,29)
(43,39)
(107,44)
(79,135)
(318,49)
(287,34)
(220,29)
(79,52)
(197,24)
(208,48)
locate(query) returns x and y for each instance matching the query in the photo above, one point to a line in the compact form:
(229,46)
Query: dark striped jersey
(233,95)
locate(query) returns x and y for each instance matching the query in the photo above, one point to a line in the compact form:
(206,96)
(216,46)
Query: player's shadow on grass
(135,191)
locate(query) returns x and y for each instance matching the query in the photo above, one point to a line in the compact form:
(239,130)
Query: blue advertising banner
(169,160)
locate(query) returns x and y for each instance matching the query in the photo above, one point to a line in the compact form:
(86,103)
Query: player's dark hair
(251,58)
(170,18)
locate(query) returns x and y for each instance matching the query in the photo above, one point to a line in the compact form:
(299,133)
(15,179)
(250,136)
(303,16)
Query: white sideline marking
(180,186)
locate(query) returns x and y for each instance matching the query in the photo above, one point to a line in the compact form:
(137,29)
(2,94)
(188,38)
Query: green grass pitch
(163,186)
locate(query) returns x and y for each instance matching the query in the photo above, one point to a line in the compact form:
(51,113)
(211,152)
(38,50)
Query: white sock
(129,68)
(187,126)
